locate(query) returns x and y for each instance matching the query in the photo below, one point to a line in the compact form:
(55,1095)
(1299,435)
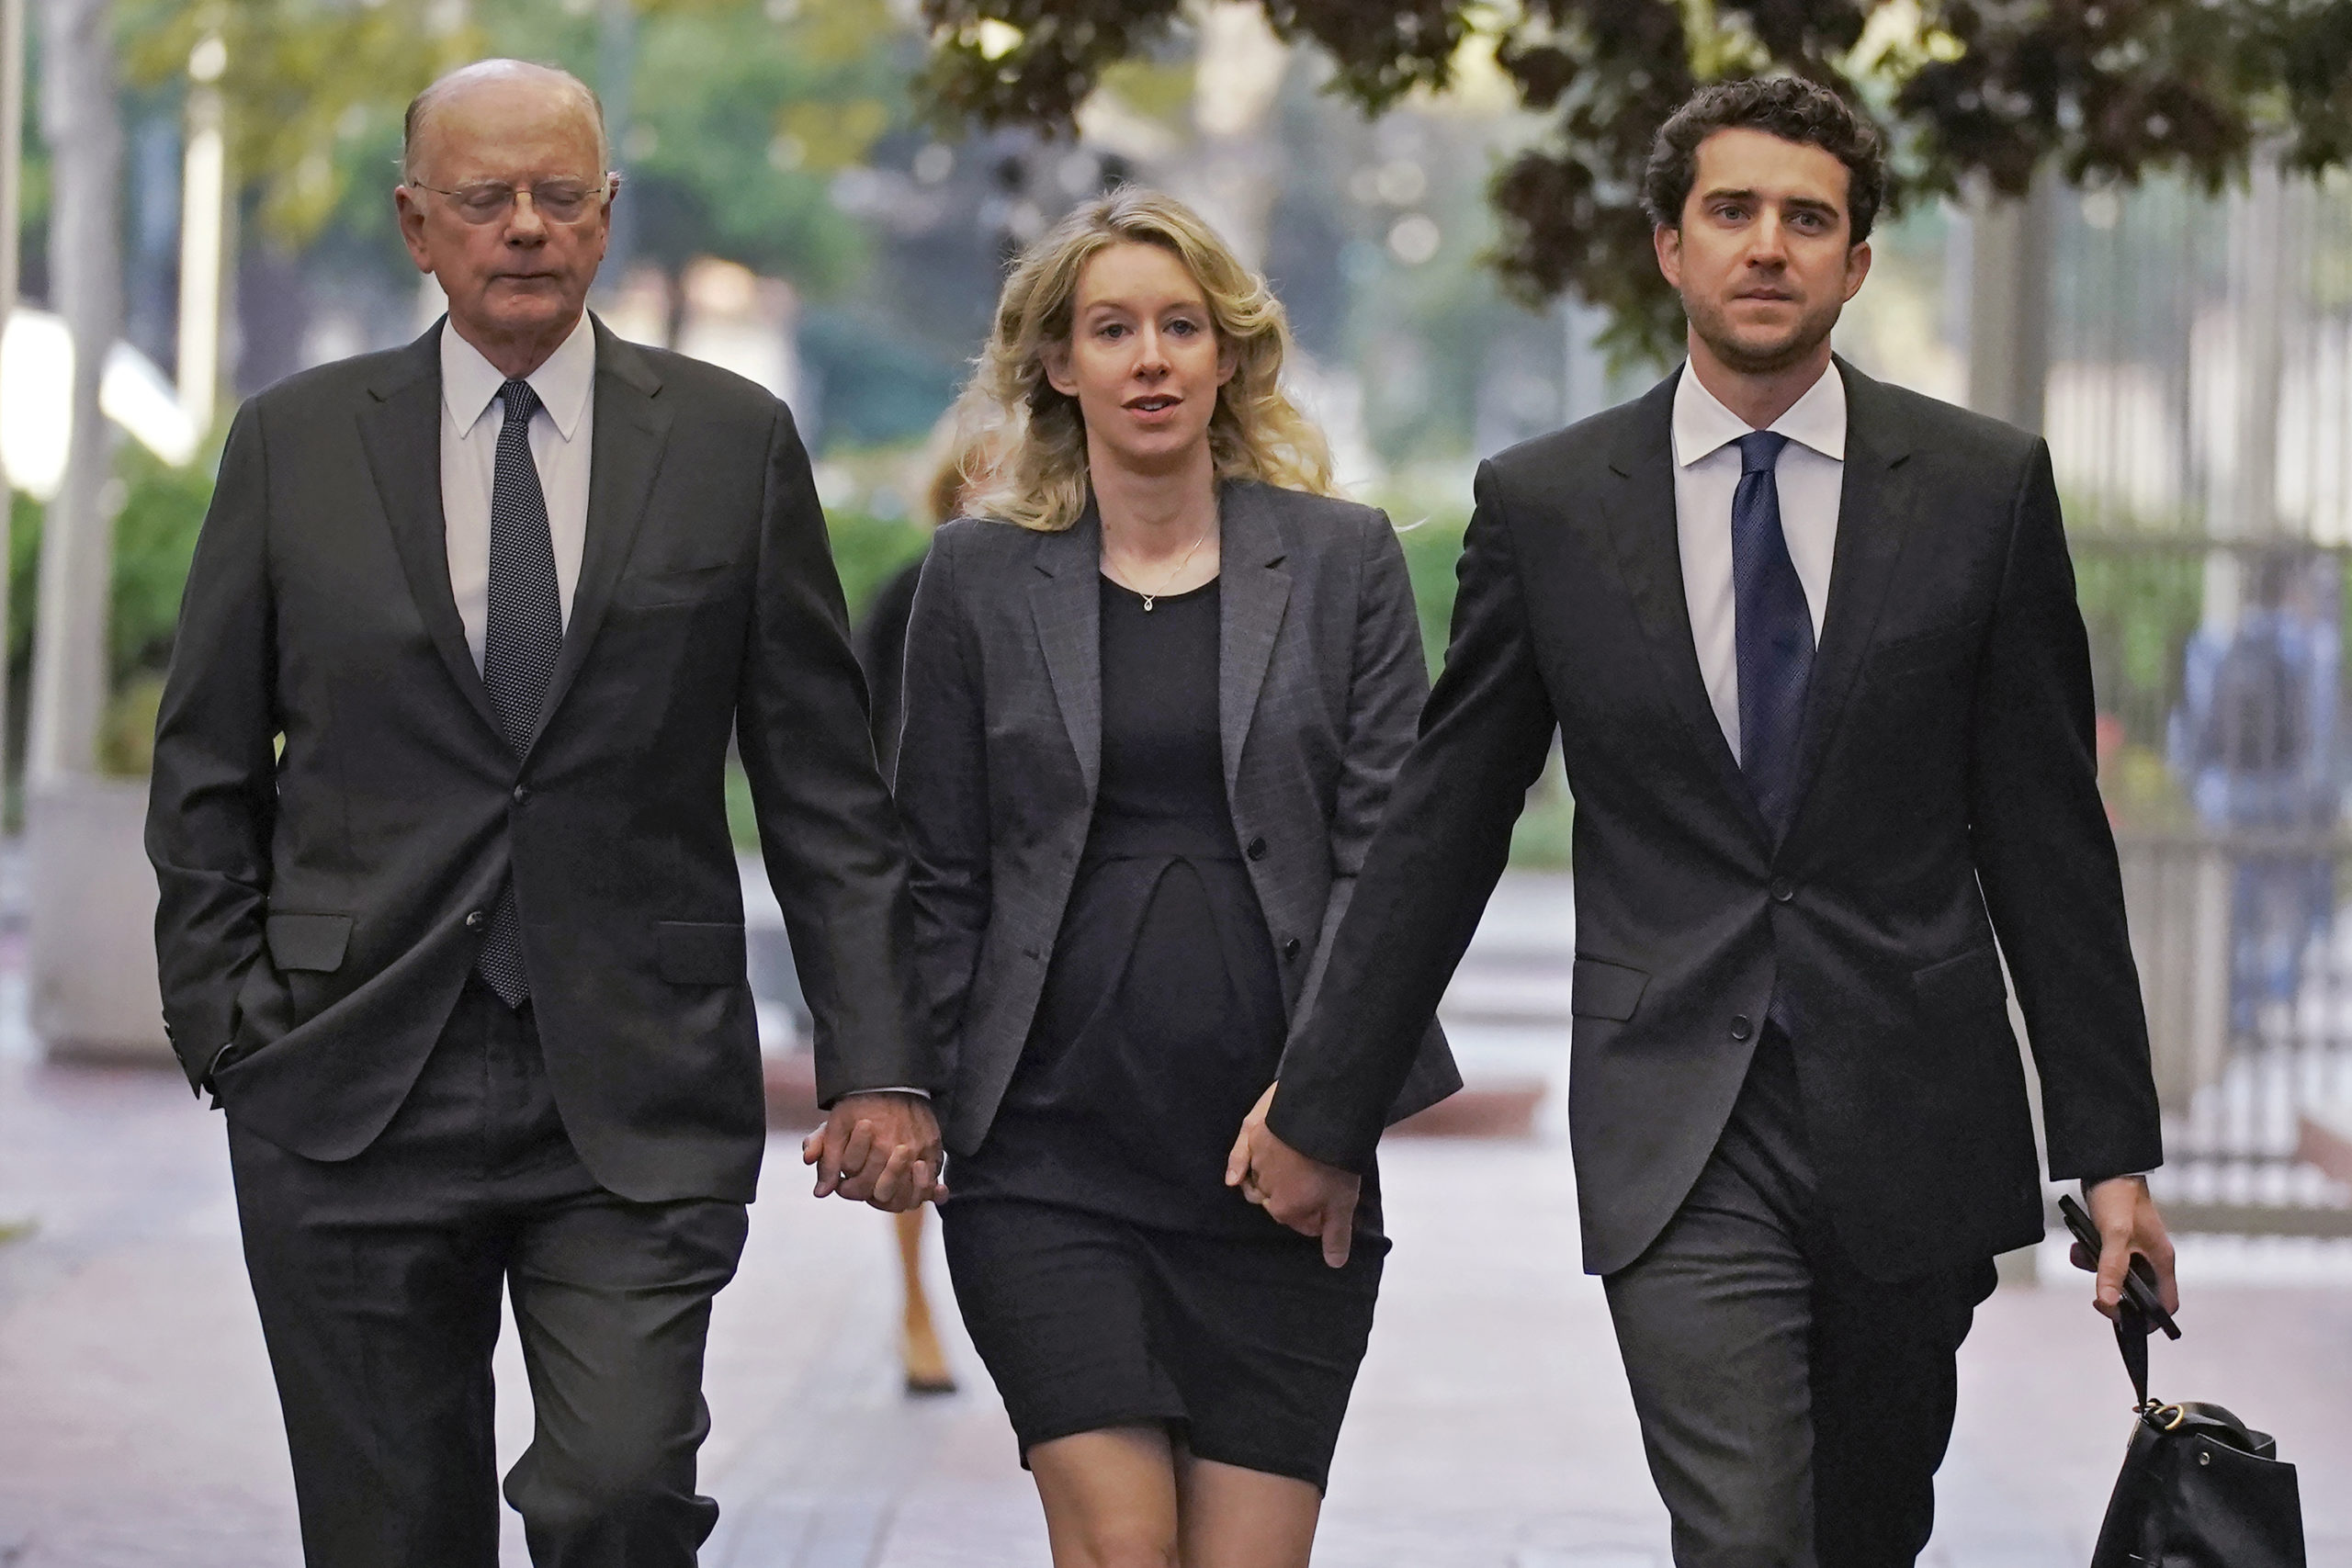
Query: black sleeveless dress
(1108,1276)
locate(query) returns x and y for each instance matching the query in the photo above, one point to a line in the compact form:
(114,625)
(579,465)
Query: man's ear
(1857,267)
(409,207)
(1667,241)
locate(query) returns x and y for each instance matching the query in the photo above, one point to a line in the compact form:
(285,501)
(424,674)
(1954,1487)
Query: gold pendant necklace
(1153,598)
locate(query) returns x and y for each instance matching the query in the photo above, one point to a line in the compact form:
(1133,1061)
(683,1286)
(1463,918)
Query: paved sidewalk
(1491,1426)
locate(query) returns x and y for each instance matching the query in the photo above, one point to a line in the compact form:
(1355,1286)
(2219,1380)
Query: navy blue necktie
(522,639)
(1775,633)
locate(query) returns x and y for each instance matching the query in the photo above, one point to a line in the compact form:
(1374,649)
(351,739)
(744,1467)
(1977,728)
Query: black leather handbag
(2199,1488)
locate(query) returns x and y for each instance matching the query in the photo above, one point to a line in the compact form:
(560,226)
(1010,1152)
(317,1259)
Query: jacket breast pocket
(1918,655)
(315,943)
(660,589)
(1606,990)
(696,953)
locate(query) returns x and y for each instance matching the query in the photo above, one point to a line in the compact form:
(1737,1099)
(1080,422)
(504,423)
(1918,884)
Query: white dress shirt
(1810,471)
(562,437)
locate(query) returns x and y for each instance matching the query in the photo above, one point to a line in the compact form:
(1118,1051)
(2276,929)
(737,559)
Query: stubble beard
(1750,358)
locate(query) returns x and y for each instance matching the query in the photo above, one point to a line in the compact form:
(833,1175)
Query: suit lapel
(401,430)
(1067,609)
(1874,506)
(1642,530)
(1251,598)
(629,434)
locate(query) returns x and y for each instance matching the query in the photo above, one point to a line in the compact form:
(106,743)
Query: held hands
(2128,1223)
(1304,1193)
(880,1149)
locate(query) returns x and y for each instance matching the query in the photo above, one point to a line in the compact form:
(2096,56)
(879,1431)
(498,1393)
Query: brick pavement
(1491,1426)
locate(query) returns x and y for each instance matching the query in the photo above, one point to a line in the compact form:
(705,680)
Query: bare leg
(1110,1498)
(1231,1517)
(919,1351)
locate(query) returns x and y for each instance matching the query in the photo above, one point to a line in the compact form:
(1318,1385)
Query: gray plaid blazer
(1320,683)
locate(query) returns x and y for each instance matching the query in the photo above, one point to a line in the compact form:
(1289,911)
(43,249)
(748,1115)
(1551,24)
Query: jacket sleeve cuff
(1320,1138)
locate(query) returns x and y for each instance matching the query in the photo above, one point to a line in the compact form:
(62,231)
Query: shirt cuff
(893,1089)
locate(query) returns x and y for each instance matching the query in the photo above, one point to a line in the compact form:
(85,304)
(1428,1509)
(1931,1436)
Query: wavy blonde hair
(1038,477)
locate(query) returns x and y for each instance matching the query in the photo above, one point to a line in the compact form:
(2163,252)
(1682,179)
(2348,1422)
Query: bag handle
(2132,1332)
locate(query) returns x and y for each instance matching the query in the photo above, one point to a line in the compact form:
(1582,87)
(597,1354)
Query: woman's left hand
(1237,1163)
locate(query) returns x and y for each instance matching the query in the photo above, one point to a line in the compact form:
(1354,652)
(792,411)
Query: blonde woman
(1156,687)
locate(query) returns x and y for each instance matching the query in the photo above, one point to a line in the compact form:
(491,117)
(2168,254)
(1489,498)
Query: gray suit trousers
(1794,1411)
(378,1280)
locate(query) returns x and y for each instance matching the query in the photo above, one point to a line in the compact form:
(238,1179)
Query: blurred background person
(954,459)
(1155,691)
(2255,737)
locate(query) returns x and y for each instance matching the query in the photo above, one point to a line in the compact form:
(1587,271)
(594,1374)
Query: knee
(606,1487)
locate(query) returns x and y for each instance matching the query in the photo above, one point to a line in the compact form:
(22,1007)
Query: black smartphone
(2139,1284)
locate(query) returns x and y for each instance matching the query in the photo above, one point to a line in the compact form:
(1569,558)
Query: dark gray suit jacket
(1948,791)
(321,898)
(1320,677)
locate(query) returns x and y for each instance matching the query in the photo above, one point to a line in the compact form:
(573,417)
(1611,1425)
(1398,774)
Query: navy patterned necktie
(1774,632)
(522,639)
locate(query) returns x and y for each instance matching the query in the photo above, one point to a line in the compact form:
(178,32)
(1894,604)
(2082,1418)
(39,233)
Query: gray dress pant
(1793,1410)
(378,1280)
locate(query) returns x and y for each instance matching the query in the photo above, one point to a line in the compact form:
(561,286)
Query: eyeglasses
(559,201)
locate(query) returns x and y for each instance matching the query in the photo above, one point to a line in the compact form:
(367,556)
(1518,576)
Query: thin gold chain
(1153,597)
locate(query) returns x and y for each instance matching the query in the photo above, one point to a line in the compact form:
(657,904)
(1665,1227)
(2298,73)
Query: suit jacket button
(1783,890)
(1257,848)
(1740,1027)
(1290,947)
(522,793)
(474,918)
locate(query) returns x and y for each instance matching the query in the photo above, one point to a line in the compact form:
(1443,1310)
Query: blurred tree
(744,109)
(304,83)
(2105,90)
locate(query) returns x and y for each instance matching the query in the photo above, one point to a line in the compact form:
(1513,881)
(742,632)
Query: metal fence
(2199,404)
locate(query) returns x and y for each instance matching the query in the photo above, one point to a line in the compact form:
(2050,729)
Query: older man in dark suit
(450,916)
(1811,647)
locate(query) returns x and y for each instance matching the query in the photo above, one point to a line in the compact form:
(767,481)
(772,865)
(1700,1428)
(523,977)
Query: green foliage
(154,538)
(304,81)
(868,551)
(743,817)
(2107,92)
(2140,606)
(744,109)
(742,113)
(1432,549)
(1545,836)
(749,122)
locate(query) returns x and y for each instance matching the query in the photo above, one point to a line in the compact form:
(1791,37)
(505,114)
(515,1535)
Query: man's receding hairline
(422,107)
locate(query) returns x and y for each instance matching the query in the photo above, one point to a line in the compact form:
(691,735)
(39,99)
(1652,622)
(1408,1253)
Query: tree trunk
(83,121)
(1235,172)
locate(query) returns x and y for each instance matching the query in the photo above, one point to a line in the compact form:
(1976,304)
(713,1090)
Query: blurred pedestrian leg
(919,1349)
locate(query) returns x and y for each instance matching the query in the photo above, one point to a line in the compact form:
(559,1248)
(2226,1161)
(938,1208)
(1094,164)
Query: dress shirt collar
(1703,426)
(469,383)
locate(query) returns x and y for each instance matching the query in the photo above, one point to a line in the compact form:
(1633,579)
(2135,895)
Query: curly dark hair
(1787,106)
